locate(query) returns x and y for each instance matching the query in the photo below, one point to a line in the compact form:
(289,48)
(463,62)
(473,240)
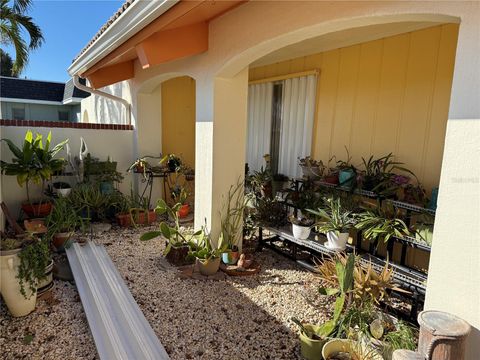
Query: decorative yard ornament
(82,154)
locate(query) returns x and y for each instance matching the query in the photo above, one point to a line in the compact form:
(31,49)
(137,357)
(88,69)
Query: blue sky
(67,27)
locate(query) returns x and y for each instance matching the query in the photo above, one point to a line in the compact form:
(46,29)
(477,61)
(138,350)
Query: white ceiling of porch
(340,39)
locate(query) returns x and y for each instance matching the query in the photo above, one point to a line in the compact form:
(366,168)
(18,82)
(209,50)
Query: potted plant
(62,223)
(347,173)
(381,223)
(89,202)
(22,263)
(62,188)
(311,168)
(423,228)
(336,222)
(301,226)
(261,181)
(177,248)
(313,338)
(179,196)
(173,162)
(231,222)
(207,255)
(34,162)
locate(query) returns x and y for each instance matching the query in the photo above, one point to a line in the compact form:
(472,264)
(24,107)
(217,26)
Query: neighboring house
(218,80)
(25,99)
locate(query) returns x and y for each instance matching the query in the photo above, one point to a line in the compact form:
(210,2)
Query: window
(18,114)
(63,115)
(280,123)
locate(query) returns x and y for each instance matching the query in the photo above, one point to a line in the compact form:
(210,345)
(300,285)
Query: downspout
(76,82)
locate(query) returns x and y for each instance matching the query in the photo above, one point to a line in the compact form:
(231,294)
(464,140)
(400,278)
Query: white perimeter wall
(118,144)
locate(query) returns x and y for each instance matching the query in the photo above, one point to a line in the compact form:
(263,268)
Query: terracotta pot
(124,220)
(37,210)
(143,219)
(178,256)
(60,239)
(16,303)
(184,211)
(331,179)
(35,226)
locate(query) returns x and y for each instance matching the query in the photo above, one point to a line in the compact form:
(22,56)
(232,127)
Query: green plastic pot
(311,349)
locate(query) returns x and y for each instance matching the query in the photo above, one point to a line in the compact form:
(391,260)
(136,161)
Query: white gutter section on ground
(76,82)
(138,15)
(119,328)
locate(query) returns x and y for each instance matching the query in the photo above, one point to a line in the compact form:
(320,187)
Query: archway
(166,125)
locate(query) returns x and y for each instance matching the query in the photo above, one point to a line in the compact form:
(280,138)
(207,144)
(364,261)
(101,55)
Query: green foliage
(381,224)
(173,234)
(34,258)
(334,218)
(403,337)
(232,215)
(35,161)
(89,202)
(14,23)
(270,212)
(201,246)
(6,64)
(63,218)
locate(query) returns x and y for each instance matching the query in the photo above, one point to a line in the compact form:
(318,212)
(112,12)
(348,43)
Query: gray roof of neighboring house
(105,26)
(72,92)
(15,88)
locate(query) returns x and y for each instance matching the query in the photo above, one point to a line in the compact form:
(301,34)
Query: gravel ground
(239,318)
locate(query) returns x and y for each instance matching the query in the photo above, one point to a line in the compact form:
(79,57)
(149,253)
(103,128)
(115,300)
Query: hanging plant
(34,258)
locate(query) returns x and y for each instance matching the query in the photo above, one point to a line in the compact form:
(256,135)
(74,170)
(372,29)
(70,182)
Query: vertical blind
(295,126)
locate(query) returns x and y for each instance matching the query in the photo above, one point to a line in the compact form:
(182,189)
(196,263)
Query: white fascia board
(30,101)
(135,18)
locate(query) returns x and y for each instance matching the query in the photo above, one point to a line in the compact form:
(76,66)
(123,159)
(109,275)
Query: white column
(454,271)
(220,144)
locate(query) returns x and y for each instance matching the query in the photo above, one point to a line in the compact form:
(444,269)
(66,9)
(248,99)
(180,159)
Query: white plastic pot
(301,232)
(337,241)
(64,192)
(16,303)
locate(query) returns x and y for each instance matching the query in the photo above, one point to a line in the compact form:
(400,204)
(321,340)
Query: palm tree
(12,19)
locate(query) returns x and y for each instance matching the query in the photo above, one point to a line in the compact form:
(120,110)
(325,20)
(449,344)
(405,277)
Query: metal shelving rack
(408,278)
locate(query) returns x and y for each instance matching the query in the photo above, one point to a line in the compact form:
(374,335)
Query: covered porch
(384,78)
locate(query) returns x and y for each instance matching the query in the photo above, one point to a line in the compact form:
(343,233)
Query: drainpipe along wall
(90,90)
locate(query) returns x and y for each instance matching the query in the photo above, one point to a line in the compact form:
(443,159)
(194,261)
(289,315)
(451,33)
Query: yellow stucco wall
(178,118)
(387,95)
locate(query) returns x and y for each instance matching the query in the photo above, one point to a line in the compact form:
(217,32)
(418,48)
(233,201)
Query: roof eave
(135,18)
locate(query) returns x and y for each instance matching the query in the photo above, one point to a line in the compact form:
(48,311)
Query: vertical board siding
(178,118)
(382,96)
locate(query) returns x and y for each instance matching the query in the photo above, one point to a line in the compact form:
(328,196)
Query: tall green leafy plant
(343,291)
(34,162)
(232,216)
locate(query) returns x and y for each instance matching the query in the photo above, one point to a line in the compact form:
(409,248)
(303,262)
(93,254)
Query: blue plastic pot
(346,178)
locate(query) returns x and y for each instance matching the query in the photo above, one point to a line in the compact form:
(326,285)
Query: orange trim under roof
(181,31)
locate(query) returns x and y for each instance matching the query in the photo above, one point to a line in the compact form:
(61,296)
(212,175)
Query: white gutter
(76,82)
(138,15)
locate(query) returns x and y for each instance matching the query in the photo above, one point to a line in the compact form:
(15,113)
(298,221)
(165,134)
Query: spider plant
(381,224)
(334,218)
